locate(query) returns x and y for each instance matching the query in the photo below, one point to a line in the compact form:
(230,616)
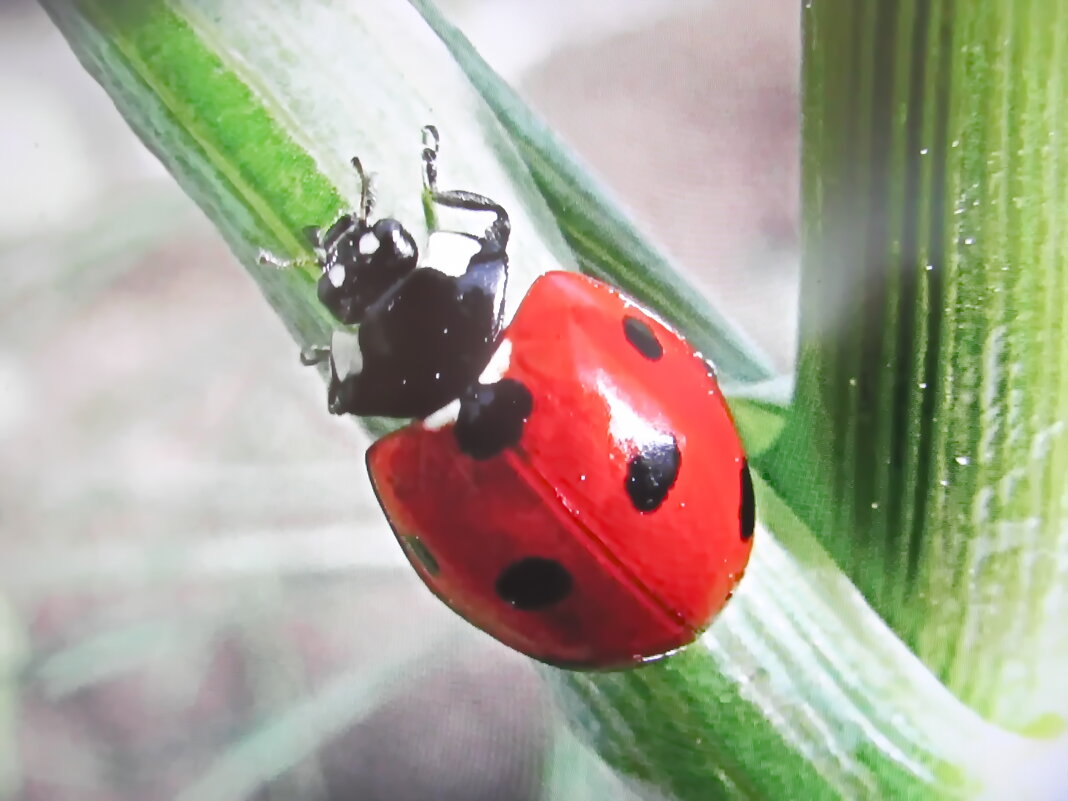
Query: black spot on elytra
(534,583)
(652,472)
(748,510)
(641,336)
(492,417)
(422,554)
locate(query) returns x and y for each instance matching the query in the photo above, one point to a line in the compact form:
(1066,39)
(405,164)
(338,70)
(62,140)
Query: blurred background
(199,598)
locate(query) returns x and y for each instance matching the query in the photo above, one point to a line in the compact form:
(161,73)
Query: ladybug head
(361,262)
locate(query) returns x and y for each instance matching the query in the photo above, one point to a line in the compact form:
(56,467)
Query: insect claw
(268,259)
(431,143)
(431,137)
(316,354)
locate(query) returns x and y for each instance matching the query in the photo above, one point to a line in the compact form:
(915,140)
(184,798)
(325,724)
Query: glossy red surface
(644,583)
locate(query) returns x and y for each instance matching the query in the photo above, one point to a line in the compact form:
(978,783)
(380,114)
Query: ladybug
(573,483)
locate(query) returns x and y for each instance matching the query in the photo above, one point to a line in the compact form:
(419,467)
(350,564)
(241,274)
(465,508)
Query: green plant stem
(932,393)
(797,691)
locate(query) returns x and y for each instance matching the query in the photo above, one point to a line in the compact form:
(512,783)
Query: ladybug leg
(431,145)
(268,259)
(346,364)
(314,354)
(487,271)
(315,238)
(495,239)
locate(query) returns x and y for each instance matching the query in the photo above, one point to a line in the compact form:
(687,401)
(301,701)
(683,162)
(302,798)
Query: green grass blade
(293,734)
(799,690)
(929,437)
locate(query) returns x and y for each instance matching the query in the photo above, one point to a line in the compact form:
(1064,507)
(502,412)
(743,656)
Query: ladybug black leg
(315,354)
(495,240)
(496,236)
(487,271)
(268,259)
(315,238)
(431,145)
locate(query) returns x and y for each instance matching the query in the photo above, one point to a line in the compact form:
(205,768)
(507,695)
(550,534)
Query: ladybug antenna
(367,197)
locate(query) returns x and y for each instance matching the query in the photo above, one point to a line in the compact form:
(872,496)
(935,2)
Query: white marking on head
(401,246)
(368,244)
(336,274)
(443,416)
(497,366)
(450,252)
(345,354)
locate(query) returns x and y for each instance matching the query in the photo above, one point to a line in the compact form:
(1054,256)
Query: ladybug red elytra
(573,483)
